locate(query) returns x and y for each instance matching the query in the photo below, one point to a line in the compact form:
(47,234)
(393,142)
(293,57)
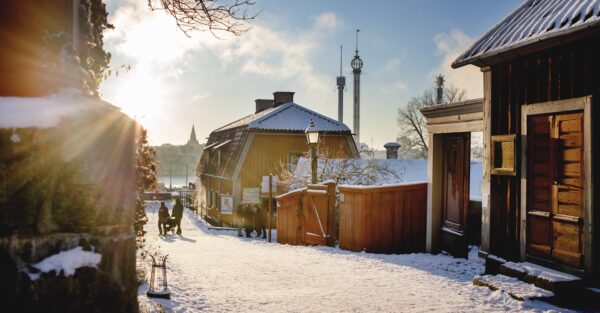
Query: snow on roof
(222,144)
(244,121)
(287,117)
(532,22)
(293,117)
(21,112)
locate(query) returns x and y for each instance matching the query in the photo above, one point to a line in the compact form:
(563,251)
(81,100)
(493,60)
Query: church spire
(193,140)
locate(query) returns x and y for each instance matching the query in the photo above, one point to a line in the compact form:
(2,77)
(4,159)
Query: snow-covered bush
(352,171)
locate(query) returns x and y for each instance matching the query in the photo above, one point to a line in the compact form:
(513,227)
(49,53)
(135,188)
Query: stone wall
(65,186)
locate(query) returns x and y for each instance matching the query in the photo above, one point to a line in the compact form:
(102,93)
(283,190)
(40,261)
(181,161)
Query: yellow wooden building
(239,154)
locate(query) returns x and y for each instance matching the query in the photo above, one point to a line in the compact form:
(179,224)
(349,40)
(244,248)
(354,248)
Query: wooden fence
(307,216)
(387,219)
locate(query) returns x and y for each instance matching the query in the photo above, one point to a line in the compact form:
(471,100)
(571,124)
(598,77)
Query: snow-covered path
(215,271)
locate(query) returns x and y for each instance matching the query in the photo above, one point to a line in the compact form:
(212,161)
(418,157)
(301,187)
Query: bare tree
(348,170)
(229,16)
(412,123)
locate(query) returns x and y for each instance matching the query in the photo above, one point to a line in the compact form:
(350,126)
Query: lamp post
(312,136)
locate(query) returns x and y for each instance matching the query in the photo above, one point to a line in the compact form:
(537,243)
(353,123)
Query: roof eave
(527,47)
(288,131)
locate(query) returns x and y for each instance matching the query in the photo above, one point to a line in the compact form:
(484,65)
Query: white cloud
(279,55)
(392,65)
(450,45)
(160,85)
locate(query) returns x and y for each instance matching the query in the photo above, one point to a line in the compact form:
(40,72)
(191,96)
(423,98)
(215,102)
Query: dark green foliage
(145,180)
(33,177)
(92,55)
(86,65)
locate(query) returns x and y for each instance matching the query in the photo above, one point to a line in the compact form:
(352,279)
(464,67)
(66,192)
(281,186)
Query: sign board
(265,184)
(226,203)
(250,195)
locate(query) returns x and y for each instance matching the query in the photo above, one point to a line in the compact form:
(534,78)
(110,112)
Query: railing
(385,219)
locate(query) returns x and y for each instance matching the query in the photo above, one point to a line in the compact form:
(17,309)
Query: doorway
(555,194)
(456,150)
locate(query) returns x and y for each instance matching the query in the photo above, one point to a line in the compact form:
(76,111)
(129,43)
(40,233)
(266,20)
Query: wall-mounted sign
(265,184)
(503,161)
(250,195)
(226,203)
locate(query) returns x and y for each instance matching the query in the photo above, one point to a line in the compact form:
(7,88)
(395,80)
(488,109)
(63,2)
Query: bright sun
(140,95)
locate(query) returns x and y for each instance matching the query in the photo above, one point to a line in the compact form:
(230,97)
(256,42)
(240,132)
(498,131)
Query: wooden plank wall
(290,228)
(568,71)
(269,151)
(389,219)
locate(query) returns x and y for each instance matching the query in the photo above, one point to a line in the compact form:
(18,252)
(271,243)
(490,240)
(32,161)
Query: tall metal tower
(341,83)
(357,65)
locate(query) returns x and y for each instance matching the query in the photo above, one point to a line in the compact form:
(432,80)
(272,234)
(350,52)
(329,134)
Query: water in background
(176,181)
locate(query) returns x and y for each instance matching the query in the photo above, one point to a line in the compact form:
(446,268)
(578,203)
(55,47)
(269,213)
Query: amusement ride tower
(357,65)
(341,83)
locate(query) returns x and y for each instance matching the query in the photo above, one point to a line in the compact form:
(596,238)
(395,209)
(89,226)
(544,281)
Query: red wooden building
(541,68)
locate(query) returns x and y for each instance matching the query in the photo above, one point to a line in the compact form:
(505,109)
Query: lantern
(158,283)
(312,136)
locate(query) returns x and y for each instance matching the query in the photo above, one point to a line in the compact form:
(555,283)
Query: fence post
(302,217)
(331,221)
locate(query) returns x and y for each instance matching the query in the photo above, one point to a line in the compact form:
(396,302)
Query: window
(293,161)
(503,155)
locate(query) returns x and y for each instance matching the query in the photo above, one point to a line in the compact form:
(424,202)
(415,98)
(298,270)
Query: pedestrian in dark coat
(163,215)
(239,222)
(248,220)
(178,214)
(261,221)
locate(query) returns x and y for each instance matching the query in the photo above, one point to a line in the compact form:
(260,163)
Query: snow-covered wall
(67,199)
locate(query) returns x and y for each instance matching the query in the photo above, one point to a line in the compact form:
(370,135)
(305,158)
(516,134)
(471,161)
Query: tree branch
(208,15)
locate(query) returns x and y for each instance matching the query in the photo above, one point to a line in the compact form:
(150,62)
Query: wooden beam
(484,248)
(434,188)
(455,118)
(456,127)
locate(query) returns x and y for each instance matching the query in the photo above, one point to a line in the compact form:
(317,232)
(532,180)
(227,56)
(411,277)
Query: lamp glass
(312,137)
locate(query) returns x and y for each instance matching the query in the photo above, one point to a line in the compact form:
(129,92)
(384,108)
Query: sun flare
(140,95)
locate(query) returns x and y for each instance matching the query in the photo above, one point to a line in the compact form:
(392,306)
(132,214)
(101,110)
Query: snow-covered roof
(43,112)
(533,22)
(293,117)
(289,117)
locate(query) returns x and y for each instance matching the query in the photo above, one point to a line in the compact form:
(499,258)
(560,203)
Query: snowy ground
(216,271)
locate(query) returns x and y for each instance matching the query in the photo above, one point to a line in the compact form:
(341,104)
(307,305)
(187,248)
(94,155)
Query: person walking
(163,215)
(248,220)
(178,214)
(261,222)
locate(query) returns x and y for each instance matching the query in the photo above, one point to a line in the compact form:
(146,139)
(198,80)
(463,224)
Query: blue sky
(176,81)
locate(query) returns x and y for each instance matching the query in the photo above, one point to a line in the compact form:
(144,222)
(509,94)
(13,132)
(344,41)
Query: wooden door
(456,149)
(316,209)
(555,188)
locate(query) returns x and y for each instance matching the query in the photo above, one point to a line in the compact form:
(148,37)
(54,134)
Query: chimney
(439,83)
(263,104)
(391,150)
(282,97)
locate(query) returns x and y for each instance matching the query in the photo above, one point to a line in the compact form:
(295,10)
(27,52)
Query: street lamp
(312,136)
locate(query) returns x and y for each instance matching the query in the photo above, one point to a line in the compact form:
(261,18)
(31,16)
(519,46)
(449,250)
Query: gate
(307,216)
